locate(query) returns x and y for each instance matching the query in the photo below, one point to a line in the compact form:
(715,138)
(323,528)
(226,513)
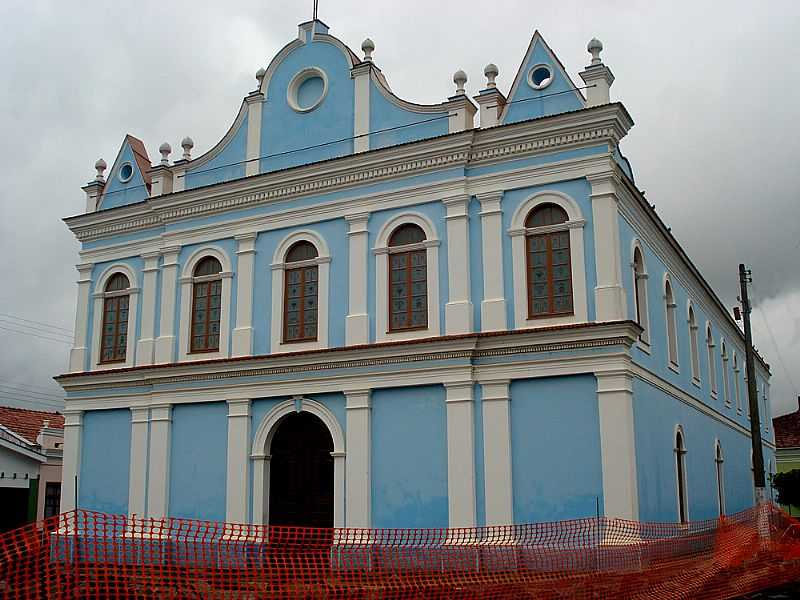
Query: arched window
(548,262)
(114,341)
(408,279)
(719,462)
(206,305)
(301,291)
(712,361)
(672,333)
(680,472)
(640,294)
(693,345)
(737,386)
(726,392)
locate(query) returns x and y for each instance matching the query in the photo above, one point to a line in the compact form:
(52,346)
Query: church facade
(359,311)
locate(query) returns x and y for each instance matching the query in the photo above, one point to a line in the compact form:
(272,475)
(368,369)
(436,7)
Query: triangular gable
(558,96)
(123,186)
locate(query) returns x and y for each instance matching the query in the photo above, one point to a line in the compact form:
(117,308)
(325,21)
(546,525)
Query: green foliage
(788,487)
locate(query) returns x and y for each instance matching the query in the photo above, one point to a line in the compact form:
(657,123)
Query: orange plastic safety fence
(85,554)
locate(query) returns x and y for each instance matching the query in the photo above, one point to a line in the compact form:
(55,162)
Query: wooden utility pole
(752,390)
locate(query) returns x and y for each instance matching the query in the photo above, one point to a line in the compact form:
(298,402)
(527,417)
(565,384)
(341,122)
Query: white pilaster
(360,74)
(491,102)
(460,454)
(462,113)
(498,490)
(610,304)
(77,356)
(357,323)
(160,180)
(458,311)
(179,176)
(71,465)
(137,486)
(255,102)
(158,461)
(493,306)
(339,465)
(598,79)
(165,344)
(237,484)
(243,333)
(145,351)
(618,445)
(358,490)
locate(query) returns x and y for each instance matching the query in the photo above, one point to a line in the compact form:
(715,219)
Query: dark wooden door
(301,473)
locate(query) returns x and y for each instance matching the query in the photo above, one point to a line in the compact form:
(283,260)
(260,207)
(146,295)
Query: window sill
(674,368)
(696,382)
(112,362)
(298,346)
(714,396)
(644,346)
(209,351)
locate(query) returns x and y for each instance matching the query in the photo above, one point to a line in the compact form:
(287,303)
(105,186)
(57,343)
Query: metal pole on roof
(752,392)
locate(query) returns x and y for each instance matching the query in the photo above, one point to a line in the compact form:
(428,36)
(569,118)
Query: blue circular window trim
(125,172)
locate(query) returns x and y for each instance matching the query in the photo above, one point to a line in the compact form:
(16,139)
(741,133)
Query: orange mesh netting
(85,554)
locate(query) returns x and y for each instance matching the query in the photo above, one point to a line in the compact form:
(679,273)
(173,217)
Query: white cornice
(469,148)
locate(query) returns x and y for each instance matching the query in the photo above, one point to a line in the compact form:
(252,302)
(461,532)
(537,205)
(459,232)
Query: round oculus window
(125,172)
(540,76)
(307,89)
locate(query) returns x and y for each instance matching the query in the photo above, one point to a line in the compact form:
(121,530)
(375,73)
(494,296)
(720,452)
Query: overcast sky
(714,89)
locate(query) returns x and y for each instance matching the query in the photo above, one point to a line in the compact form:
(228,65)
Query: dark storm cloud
(713,92)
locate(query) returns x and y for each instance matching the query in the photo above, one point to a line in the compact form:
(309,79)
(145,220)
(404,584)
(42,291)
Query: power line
(47,404)
(69,331)
(35,329)
(17,390)
(52,339)
(775,345)
(25,397)
(26,385)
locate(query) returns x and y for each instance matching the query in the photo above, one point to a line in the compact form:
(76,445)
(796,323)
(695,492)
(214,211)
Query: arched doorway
(301,474)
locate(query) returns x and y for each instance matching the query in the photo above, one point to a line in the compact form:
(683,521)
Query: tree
(788,487)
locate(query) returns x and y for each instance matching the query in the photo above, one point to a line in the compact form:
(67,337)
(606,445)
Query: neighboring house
(356,310)
(787,443)
(31,446)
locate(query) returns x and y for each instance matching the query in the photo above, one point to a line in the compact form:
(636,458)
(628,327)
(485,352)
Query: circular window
(539,77)
(125,172)
(307,89)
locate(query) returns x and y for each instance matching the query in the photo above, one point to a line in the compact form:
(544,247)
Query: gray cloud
(713,92)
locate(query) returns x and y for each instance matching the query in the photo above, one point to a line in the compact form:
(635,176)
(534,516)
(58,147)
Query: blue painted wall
(548,413)
(409,457)
(395,125)
(117,193)
(529,103)
(228,164)
(198,461)
(656,415)
(103,480)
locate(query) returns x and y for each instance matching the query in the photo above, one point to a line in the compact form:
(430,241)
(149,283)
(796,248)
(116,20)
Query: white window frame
(186,282)
(381,252)
(712,361)
(279,267)
(694,342)
(99,296)
(641,309)
(737,386)
(518,233)
(671,323)
(680,455)
(726,386)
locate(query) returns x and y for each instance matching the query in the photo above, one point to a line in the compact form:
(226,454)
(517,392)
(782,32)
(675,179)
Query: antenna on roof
(316,8)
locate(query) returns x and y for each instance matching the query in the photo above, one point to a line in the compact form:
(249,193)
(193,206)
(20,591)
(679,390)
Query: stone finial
(165,149)
(368,46)
(101,166)
(460,78)
(260,75)
(594,48)
(491,71)
(187,144)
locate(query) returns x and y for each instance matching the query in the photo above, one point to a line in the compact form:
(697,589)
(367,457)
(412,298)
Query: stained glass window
(301,290)
(549,264)
(206,306)
(114,337)
(408,280)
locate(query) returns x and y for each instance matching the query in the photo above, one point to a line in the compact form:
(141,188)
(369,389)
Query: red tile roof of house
(28,423)
(787,430)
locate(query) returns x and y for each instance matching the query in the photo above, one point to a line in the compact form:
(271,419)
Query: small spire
(368,46)
(260,75)
(460,78)
(165,149)
(101,166)
(187,144)
(491,71)
(594,48)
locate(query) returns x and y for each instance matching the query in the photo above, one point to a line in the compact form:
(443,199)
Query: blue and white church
(359,311)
